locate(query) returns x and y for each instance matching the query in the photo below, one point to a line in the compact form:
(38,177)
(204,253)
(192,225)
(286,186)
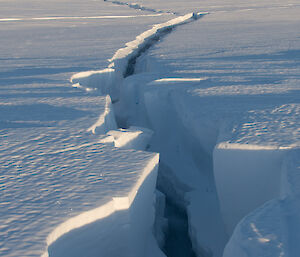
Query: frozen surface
(73,113)
(223,93)
(245,105)
(232,87)
(47,187)
(55,174)
(220,94)
(272,230)
(123,62)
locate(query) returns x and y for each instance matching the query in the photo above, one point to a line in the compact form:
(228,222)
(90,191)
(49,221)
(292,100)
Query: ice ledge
(77,181)
(116,204)
(241,174)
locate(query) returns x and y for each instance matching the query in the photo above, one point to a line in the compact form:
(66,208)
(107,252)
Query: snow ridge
(123,61)
(139,7)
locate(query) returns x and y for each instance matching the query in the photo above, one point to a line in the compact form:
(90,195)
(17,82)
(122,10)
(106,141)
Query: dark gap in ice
(132,61)
(177,240)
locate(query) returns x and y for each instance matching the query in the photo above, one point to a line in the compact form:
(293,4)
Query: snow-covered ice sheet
(47,192)
(35,48)
(216,6)
(55,174)
(221,95)
(122,63)
(73,113)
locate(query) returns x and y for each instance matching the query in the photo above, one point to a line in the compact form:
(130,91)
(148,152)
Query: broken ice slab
(248,159)
(57,177)
(272,229)
(52,185)
(245,130)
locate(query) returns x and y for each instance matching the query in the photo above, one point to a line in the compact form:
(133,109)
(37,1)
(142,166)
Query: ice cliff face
(271,230)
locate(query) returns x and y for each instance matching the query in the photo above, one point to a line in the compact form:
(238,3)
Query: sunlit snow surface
(49,179)
(53,166)
(221,93)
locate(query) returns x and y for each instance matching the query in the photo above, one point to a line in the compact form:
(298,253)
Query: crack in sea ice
(140,7)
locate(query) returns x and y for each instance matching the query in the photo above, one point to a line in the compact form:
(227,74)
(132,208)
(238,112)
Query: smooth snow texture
(241,177)
(132,138)
(272,229)
(174,80)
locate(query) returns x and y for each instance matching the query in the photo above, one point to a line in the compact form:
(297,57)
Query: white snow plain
(58,178)
(219,96)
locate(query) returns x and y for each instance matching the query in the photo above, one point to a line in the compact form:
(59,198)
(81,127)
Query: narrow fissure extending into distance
(177,239)
(124,65)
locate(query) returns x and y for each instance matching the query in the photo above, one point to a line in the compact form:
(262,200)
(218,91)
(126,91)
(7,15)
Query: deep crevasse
(127,97)
(160,104)
(131,138)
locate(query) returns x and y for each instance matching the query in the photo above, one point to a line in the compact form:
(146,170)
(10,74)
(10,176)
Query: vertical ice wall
(273,228)
(248,159)
(246,177)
